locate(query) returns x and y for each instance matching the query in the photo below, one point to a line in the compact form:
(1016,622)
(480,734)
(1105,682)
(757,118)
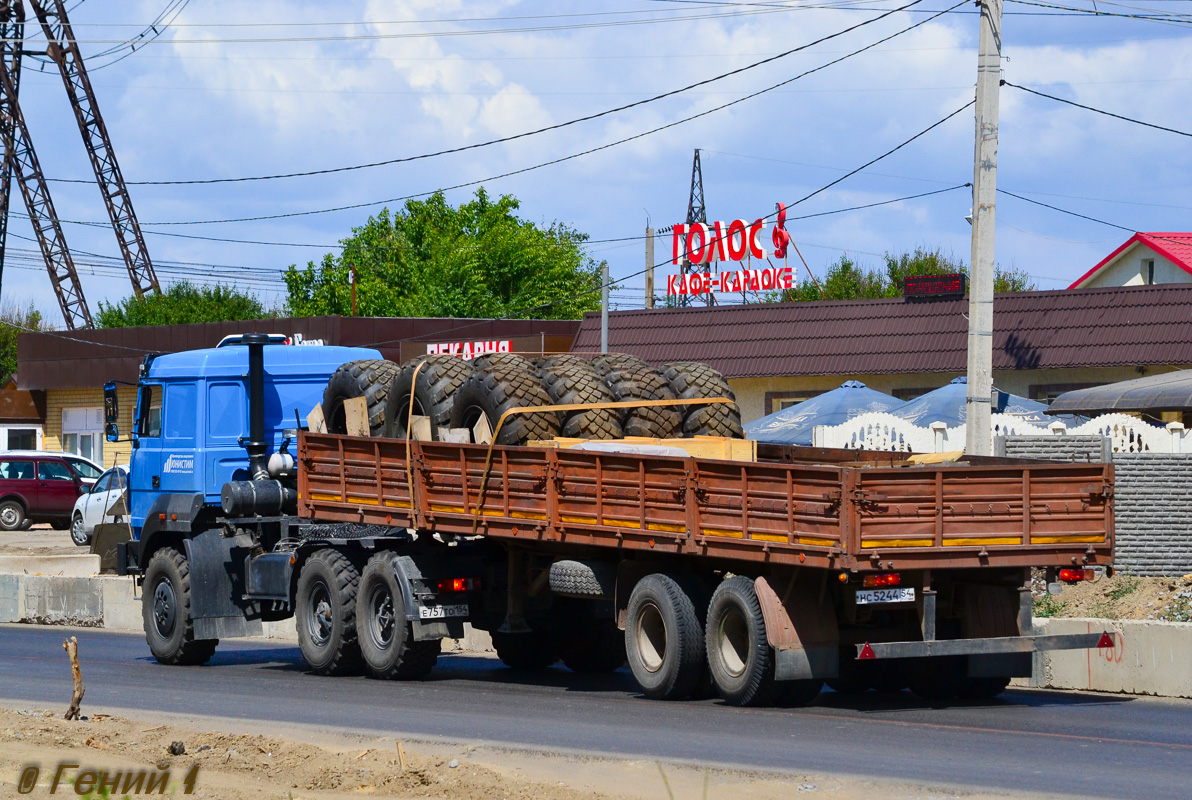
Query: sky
(232,90)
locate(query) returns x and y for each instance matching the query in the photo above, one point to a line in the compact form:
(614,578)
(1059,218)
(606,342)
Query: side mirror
(111,412)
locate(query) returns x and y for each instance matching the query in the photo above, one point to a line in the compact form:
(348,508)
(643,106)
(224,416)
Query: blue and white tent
(794,425)
(947,404)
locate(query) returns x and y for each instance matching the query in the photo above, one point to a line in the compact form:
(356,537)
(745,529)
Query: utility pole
(649,267)
(978,401)
(604,307)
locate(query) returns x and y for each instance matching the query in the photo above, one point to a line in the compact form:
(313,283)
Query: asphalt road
(1047,742)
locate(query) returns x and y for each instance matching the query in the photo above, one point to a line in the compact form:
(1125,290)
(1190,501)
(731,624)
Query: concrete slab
(121,603)
(1150,658)
(62,601)
(12,599)
(82,565)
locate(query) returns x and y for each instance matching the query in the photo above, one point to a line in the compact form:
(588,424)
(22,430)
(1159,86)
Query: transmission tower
(696,212)
(20,158)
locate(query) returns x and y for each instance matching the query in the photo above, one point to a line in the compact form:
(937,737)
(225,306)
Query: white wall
(1127,269)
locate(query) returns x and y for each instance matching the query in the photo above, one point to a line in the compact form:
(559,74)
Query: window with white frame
(82,432)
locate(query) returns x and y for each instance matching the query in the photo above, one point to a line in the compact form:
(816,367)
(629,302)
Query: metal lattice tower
(696,212)
(64,51)
(20,160)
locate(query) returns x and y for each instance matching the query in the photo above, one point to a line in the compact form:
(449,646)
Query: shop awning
(1170,391)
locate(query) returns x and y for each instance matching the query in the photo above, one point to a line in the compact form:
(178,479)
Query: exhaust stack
(257,447)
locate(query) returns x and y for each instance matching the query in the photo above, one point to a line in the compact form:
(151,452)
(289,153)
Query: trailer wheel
(386,639)
(370,379)
(434,396)
(326,613)
(526,652)
(493,390)
(690,380)
(664,642)
(165,610)
(629,378)
(568,382)
(740,657)
(988,611)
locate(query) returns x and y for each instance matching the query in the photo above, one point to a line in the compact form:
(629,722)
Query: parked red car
(41,487)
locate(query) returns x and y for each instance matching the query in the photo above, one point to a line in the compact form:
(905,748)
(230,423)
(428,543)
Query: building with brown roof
(1045,343)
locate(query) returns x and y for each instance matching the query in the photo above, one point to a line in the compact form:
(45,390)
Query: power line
(552,162)
(524,134)
(1066,211)
(1097,110)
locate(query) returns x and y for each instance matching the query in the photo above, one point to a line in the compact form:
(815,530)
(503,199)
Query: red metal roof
(1117,326)
(1175,246)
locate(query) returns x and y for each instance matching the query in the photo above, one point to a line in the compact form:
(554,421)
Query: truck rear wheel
(739,655)
(326,613)
(439,378)
(493,390)
(370,379)
(664,640)
(690,380)
(386,639)
(165,610)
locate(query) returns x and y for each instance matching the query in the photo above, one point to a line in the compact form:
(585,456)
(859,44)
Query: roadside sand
(305,764)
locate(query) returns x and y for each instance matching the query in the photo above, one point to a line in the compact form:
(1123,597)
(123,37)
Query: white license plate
(902,594)
(442,612)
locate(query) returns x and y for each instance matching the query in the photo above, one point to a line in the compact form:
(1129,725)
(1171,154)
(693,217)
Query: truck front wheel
(663,639)
(165,610)
(326,613)
(386,639)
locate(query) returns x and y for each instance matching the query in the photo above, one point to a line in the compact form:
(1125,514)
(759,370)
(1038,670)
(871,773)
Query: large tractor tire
(628,378)
(567,383)
(690,380)
(165,609)
(325,613)
(491,391)
(439,378)
(511,360)
(370,379)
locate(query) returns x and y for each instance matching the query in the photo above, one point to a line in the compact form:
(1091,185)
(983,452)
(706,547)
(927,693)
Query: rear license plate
(903,594)
(443,612)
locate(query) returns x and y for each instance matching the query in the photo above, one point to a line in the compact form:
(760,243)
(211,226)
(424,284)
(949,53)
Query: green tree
(179,304)
(846,280)
(15,320)
(433,260)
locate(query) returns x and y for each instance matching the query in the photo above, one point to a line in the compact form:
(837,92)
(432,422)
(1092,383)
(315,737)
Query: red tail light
(885,579)
(1075,575)
(457,585)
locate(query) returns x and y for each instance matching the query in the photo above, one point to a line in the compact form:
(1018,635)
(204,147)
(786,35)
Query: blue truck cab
(192,417)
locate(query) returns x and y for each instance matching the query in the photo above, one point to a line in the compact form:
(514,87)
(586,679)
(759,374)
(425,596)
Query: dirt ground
(1120,597)
(39,540)
(303,764)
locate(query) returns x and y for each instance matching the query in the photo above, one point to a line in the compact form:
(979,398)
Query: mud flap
(217,588)
(802,630)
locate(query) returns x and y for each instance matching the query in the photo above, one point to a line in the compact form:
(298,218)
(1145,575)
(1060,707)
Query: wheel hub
(651,638)
(383,617)
(322,617)
(164,608)
(8,516)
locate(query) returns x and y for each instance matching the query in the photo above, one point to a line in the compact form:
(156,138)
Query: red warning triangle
(1105,641)
(867,652)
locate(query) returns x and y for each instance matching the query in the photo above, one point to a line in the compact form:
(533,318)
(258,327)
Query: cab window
(53,471)
(149,425)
